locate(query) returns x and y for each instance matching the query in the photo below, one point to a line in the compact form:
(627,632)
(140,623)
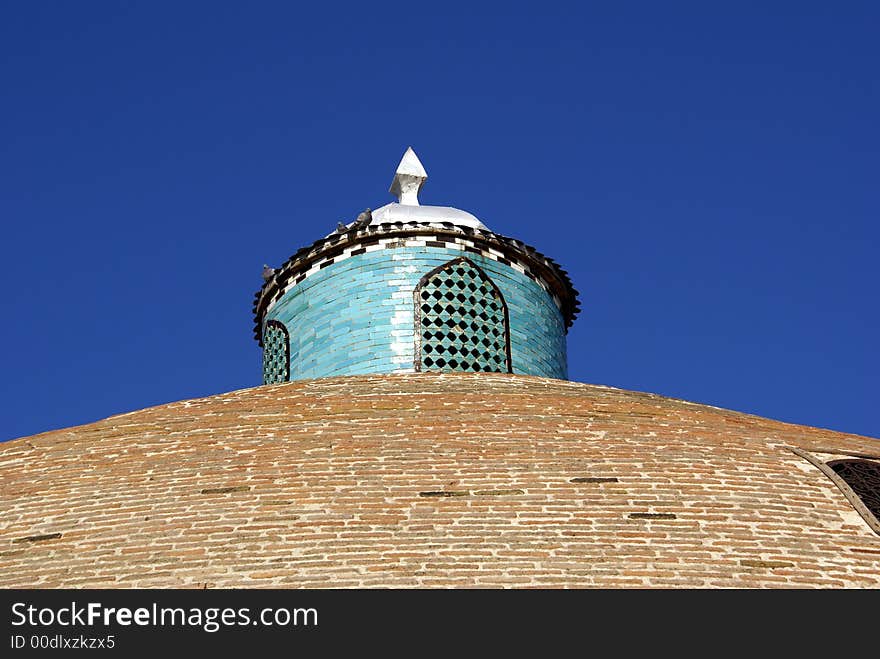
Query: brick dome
(425,480)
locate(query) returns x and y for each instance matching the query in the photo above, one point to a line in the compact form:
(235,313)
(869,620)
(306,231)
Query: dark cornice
(541,266)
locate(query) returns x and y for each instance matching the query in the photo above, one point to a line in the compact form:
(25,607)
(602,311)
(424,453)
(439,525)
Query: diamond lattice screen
(863,476)
(463,325)
(276,353)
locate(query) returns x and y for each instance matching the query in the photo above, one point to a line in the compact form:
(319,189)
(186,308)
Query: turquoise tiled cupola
(414,288)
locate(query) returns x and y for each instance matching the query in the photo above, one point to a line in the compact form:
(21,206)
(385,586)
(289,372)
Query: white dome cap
(425,215)
(408,181)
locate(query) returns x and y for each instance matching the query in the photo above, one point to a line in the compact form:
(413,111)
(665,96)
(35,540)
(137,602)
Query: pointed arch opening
(461,321)
(863,478)
(276,353)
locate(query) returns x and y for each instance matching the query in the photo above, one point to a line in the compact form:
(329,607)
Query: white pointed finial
(409,179)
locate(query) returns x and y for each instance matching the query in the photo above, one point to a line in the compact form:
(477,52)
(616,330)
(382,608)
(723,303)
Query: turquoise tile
(340,319)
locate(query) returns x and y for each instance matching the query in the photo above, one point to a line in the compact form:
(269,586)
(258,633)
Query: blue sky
(706,172)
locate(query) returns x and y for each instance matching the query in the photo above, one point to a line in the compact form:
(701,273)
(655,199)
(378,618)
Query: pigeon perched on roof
(268,272)
(363,219)
(341,228)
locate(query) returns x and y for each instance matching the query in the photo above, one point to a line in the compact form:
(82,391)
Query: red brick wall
(335,482)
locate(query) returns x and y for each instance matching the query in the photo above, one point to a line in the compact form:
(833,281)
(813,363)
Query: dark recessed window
(276,353)
(863,477)
(461,321)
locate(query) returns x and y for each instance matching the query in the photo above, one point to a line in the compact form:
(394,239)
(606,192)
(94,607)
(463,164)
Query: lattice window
(276,353)
(863,477)
(461,321)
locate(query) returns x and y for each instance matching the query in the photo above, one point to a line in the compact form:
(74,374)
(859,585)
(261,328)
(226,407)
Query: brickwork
(422,480)
(356,316)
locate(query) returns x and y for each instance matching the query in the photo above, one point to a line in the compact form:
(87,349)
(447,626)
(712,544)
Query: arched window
(863,477)
(461,321)
(276,353)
